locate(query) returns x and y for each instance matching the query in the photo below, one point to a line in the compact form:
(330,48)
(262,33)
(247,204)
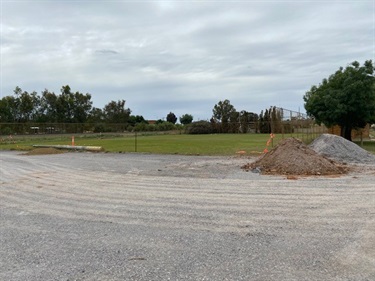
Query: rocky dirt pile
(292,157)
(43,151)
(342,150)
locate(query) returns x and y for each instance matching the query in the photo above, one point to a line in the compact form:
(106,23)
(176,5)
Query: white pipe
(71,147)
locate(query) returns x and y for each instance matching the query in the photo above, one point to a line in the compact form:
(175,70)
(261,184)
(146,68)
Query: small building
(34,130)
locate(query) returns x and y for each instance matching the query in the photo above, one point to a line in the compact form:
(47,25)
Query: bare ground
(82,216)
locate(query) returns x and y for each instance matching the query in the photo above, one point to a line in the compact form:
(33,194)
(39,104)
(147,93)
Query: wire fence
(305,129)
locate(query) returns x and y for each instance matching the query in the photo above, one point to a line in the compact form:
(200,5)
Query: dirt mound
(292,157)
(43,151)
(341,150)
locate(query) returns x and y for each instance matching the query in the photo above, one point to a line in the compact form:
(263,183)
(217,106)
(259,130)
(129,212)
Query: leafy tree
(276,119)
(8,109)
(171,117)
(248,121)
(96,115)
(222,112)
(234,121)
(137,119)
(21,107)
(264,122)
(48,107)
(82,107)
(186,119)
(72,107)
(115,112)
(200,127)
(346,98)
(27,105)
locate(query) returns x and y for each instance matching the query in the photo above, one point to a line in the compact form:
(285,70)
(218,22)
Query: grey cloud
(185,56)
(106,52)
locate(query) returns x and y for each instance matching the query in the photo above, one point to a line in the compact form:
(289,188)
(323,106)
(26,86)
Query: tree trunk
(346,132)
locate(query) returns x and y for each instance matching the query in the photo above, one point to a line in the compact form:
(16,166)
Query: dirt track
(81,216)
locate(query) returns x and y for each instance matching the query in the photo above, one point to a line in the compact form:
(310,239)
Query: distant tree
(115,112)
(21,107)
(222,112)
(8,109)
(82,107)
(248,121)
(234,121)
(48,107)
(96,115)
(137,119)
(186,119)
(265,122)
(275,119)
(200,127)
(171,117)
(72,107)
(27,105)
(346,98)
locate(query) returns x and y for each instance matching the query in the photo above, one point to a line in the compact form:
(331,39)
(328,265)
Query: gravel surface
(83,216)
(340,149)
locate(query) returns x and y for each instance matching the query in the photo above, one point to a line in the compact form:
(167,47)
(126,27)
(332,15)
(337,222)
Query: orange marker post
(270,141)
(72,140)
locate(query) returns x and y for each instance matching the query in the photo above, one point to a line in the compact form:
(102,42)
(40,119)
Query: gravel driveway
(83,216)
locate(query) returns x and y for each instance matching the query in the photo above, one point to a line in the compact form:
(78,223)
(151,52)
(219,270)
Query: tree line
(346,98)
(67,107)
(226,119)
(76,107)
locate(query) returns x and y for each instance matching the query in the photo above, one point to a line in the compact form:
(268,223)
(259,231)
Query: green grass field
(220,144)
(368,145)
(217,144)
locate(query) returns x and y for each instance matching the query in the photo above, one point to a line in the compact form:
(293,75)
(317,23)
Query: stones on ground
(43,151)
(292,157)
(342,150)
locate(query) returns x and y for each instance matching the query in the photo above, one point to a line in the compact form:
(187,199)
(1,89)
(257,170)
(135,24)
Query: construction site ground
(102,216)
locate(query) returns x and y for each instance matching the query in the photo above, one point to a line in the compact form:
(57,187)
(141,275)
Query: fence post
(135,141)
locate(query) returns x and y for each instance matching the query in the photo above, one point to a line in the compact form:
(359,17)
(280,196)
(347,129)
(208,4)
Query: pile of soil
(342,150)
(292,157)
(43,151)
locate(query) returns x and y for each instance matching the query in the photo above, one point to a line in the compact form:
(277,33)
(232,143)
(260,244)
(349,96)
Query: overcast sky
(182,56)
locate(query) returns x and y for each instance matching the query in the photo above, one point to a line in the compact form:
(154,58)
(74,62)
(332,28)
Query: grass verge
(216,144)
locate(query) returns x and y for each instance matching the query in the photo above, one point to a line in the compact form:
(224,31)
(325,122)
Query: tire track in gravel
(272,209)
(226,205)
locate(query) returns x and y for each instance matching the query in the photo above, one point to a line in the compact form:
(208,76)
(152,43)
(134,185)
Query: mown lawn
(216,144)
(368,145)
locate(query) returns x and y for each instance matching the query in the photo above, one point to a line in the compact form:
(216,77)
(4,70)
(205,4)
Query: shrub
(200,127)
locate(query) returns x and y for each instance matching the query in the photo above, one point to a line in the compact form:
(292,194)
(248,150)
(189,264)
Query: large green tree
(222,112)
(346,98)
(73,107)
(8,109)
(21,107)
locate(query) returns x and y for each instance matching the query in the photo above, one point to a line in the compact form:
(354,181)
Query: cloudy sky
(182,56)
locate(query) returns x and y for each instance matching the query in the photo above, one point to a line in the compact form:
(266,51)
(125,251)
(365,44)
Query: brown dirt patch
(292,157)
(44,151)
